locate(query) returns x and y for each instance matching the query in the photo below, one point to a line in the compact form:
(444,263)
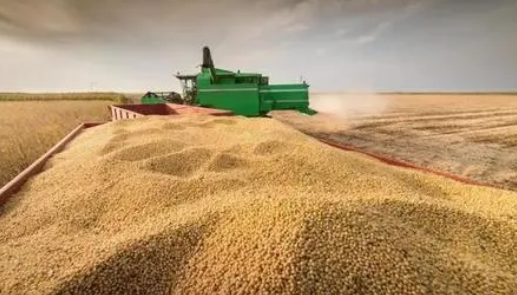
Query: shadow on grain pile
(205,205)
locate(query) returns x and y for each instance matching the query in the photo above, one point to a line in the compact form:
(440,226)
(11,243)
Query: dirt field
(474,136)
(29,128)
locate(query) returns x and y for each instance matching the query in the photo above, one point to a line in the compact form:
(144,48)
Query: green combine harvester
(246,94)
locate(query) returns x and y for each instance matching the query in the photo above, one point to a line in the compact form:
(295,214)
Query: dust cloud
(347,105)
(335,112)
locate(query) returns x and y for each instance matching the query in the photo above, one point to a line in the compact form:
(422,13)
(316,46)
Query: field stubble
(474,136)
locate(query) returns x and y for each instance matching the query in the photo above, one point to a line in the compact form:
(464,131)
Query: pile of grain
(205,205)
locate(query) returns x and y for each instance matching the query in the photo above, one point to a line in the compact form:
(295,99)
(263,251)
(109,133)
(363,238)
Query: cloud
(341,32)
(137,44)
(373,34)
(321,52)
(386,21)
(126,20)
(364,39)
(297,27)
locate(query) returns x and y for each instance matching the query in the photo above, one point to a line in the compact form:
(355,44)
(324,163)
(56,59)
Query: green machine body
(246,94)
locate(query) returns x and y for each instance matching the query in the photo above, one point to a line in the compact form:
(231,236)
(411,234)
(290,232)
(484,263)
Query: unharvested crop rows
(204,205)
(29,128)
(106,96)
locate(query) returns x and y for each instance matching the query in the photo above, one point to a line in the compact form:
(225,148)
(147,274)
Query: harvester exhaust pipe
(207,58)
(208,63)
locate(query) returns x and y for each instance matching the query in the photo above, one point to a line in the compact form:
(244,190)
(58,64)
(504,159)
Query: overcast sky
(336,45)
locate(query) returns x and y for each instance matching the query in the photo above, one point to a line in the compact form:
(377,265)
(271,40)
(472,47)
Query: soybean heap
(206,205)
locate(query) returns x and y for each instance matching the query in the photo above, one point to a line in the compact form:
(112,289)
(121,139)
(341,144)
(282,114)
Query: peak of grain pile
(206,205)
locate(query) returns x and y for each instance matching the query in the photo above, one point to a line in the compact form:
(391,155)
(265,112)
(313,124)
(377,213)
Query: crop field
(160,203)
(29,128)
(474,136)
(107,96)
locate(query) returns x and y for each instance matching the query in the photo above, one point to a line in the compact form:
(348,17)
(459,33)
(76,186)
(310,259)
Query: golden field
(108,96)
(29,128)
(474,136)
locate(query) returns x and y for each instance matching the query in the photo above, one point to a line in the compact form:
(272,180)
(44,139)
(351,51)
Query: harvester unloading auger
(246,94)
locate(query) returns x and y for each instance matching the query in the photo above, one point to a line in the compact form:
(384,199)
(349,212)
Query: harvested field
(474,136)
(29,128)
(205,205)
